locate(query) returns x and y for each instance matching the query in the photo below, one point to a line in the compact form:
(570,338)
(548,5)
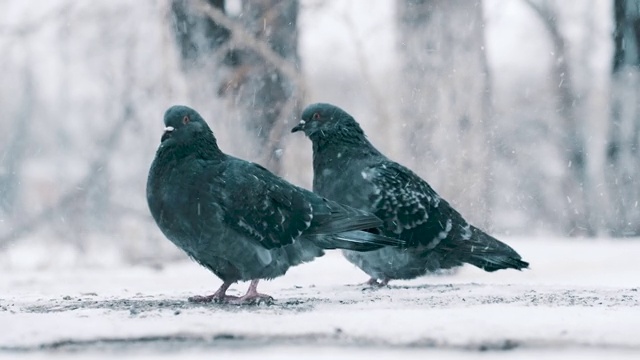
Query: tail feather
(367,237)
(342,227)
(355,240)
(488,253)
(339,218)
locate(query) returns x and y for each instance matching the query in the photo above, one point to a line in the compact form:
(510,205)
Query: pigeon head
(183,125)
(186,132)
(327,121)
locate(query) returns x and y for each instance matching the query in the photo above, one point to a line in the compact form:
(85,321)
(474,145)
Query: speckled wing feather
(409,207)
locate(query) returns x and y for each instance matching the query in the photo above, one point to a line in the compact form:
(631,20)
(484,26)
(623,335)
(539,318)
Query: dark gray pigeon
(236,218)
(348,169)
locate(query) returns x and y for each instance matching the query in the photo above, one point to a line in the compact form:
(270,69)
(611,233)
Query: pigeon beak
(167,133)
(299,127)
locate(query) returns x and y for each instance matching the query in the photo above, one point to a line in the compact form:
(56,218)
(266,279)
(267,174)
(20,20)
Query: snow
(580,298)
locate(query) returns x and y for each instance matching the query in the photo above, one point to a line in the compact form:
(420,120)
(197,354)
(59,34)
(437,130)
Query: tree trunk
(576,184)
(262,97)
(196,34)
(14,151)
(205,48)
(623,153)
(446,100)
(266,96)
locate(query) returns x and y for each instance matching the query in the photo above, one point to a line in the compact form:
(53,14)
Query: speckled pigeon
(349,169)
(238,219)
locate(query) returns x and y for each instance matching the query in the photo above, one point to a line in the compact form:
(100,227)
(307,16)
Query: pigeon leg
(219,296)
(253,296)
(373,282)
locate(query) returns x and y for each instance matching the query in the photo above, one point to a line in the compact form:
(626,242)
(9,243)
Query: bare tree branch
(572,139)
(379,102)
(75,191)
(241,37)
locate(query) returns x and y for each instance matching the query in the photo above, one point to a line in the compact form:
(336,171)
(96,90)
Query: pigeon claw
(220,296)
(373,282)
(253,299)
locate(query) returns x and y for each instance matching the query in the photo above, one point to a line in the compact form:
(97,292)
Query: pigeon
(236,218)
(347,168)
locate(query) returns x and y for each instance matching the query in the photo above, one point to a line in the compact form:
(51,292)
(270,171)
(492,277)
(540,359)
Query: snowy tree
(260,82)
(623,148)
(536,134)
(15,146)
(446,100)
(85,122)
(571,139)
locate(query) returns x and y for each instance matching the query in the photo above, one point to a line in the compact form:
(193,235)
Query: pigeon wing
(264,207)
(409,207)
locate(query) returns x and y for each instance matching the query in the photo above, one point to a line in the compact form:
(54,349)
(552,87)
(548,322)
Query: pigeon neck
(207,149)
(345,144)
(204,148)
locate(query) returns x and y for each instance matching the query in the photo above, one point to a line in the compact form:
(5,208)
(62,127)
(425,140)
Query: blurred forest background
(522,113)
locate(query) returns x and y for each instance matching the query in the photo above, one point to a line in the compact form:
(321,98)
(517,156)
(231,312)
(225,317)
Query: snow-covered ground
(580,298)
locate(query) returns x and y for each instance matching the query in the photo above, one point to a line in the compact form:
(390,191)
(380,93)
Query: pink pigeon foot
(219,296)
(253,296)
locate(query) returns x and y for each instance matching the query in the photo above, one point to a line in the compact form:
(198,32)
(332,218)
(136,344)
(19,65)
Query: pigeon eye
(316,116)
(185,120)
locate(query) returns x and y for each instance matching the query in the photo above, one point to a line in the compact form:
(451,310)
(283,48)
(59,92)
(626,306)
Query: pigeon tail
(488,253)
(355,240)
